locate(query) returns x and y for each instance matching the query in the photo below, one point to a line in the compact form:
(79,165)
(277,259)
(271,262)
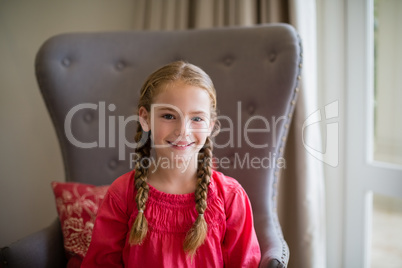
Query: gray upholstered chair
(255,71)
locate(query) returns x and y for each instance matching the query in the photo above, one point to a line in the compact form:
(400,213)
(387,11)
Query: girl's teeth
(179,145)
(185,145)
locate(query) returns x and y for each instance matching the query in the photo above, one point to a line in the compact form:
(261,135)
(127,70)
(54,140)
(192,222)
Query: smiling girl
(183,214)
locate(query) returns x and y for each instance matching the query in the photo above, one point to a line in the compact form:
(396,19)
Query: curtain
(301,188)
(189,14)
(303,216)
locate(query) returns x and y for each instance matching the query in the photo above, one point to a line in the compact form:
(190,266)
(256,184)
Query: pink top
(231,240)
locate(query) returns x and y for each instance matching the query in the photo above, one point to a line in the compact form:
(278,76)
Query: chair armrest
(271,262)
(274,249)
(41,249)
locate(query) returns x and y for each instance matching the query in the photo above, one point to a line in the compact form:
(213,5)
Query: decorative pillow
(77,206)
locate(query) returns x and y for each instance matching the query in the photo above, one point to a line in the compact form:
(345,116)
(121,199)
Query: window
(373,145)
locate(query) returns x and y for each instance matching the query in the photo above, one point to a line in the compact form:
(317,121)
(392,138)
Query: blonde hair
(194,76)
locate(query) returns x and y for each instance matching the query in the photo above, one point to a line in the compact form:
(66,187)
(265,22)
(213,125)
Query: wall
(331,83)
(29,156)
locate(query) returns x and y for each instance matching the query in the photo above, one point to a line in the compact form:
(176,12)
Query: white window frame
(363,175)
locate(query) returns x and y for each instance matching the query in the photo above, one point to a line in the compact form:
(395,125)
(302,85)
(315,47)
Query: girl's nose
(183,128)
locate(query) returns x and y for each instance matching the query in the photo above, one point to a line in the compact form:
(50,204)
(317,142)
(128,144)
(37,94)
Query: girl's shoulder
(223,181)
(123,186)
(123,180)
(227,187)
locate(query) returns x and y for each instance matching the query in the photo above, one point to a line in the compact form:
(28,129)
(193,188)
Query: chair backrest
(90,83)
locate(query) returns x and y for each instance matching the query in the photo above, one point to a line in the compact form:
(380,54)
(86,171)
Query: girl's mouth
(180,145)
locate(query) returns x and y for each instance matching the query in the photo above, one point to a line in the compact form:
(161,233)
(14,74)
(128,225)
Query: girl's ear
(211,128)
(214,128)
(144,119)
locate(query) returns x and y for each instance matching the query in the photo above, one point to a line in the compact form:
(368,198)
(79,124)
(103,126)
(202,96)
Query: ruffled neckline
(183,200)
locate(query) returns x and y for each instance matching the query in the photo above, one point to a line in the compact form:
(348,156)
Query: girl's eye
(168,116)
(197,119)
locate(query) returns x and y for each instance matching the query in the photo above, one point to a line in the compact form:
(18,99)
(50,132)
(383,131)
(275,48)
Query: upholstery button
(251,109)
(232,160)
(120,65)
(113,164)
(272,57)
(88,117)
(228,61)
(66,62)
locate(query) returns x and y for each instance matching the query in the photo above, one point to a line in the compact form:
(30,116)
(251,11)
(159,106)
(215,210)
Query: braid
(140,225)
(197,234)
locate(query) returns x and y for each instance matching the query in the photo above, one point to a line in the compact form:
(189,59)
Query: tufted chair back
(90,83)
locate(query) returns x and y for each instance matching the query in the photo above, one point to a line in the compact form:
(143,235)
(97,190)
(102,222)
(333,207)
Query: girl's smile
(180,145)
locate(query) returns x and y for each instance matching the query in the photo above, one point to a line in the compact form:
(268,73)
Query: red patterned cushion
(77,205)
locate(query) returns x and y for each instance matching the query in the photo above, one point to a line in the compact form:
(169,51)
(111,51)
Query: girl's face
(179,120)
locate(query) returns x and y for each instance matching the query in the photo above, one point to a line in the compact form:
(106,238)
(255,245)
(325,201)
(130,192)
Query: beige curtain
(302,201)
(188,14)
(304,226)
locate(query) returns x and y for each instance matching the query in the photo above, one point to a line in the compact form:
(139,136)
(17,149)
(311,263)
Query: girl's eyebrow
(199,112)
(174,110)
(167,108)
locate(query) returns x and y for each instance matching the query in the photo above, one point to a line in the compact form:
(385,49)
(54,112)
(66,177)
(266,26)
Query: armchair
(255,71)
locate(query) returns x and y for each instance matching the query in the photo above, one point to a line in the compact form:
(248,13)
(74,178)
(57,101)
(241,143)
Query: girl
(173,210)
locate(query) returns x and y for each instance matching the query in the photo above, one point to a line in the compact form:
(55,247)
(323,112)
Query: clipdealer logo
(330,154)
(238,137)
(108,124)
